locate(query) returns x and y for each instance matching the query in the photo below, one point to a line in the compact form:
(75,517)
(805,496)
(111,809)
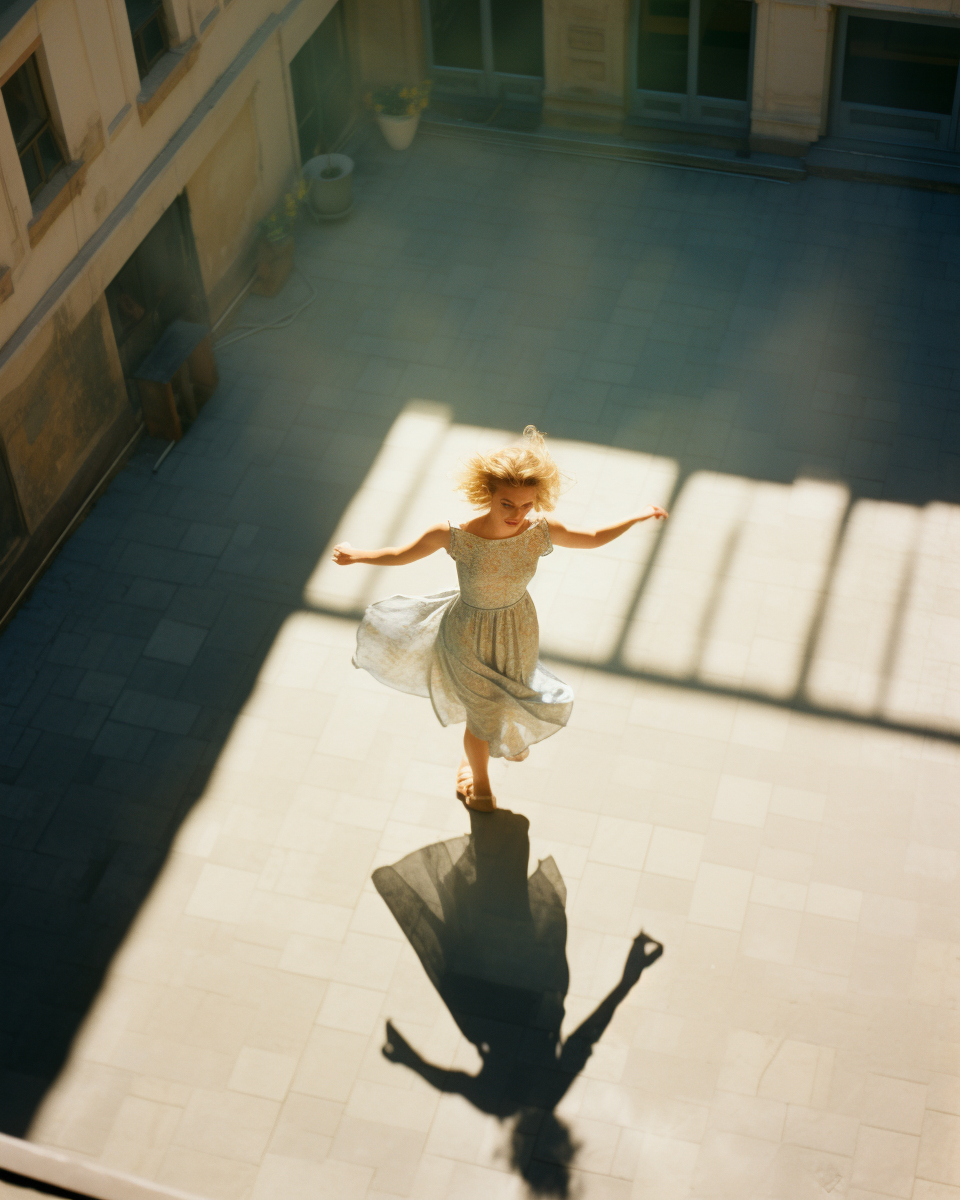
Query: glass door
(486,48)
(322,88)
(896,79)
(693,62)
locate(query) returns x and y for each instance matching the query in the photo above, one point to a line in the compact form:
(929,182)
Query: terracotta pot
(274,264)
(398,131)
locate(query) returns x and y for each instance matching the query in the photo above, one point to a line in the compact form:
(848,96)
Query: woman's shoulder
(474,525)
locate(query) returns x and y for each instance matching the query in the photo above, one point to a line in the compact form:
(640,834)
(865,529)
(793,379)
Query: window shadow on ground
(493,943)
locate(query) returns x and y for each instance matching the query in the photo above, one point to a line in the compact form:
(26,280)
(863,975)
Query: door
(896,79)
(693,62)
(322,88)
(486,48)
(11,526)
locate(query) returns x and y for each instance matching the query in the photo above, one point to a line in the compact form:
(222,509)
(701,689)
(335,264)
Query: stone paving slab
(762,768)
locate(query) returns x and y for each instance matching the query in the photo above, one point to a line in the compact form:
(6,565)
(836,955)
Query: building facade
(141,142)
(780,74)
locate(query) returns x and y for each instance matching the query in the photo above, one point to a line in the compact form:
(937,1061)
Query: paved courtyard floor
(762,772)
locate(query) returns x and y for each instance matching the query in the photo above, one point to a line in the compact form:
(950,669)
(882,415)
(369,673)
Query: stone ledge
(56,195)
(164,78)
(54,1168)
(701,158)
(864,167)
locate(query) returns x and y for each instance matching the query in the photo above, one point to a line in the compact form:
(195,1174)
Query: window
(491,48)
(897,79)
(693,61)
(37,145)
(149,29)
(322,87)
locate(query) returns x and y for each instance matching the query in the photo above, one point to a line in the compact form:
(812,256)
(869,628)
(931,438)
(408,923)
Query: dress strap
(546,542)
(454,550)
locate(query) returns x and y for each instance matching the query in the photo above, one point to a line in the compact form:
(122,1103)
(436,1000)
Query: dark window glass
(662,45)
(29,118)
(322,86)
(901,64)
(148,29)
(517,36)
(724,61)
(31,172)
(455,29)
(25,104)
(49,152)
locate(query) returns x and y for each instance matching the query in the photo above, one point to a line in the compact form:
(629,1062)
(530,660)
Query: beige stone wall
(791,74)
(61,399)
(225,196)
(389,39)
(585,58)
(103,127)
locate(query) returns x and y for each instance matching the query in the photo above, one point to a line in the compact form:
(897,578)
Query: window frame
(485,81)
(840,124)
(688,110)
(159,15)
(31,66)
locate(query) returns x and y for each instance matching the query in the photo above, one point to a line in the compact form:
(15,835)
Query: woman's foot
(479,801)
(517,757)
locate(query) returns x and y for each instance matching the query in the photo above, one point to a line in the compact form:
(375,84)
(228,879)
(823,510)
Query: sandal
(478,803)
(486,803)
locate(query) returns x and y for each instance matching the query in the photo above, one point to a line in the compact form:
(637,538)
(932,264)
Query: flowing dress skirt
(478,665)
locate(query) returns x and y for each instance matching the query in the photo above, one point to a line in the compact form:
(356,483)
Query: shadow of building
(493,943)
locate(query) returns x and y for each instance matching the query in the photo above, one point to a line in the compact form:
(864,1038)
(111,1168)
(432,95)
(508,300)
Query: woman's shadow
(493,943)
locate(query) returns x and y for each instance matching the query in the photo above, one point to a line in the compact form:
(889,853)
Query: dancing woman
(475,651)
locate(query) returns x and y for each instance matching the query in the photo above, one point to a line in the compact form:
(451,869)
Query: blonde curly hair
(528,465)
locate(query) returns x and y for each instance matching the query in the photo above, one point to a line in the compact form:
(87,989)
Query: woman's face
(510,507)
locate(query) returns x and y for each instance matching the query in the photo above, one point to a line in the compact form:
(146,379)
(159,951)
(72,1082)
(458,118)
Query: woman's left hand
(654,510)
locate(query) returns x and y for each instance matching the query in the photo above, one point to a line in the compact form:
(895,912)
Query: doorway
(158,283)
(11,523)
(896,79)
(693,63)
(322,87)
(486,49)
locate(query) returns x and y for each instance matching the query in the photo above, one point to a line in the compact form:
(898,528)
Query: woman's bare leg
(473,778)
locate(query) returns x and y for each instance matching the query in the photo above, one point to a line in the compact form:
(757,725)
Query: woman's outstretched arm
(437,537)
(589,539)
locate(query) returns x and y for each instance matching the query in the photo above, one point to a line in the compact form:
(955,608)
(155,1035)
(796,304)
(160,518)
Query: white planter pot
(330,177)
(398,131)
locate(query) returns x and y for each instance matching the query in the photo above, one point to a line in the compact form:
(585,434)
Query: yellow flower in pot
(398,107)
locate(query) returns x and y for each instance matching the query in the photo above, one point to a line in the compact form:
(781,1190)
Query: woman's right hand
(344,555)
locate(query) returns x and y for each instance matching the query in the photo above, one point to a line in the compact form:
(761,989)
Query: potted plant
(329,178)
(397,107)
(275,248)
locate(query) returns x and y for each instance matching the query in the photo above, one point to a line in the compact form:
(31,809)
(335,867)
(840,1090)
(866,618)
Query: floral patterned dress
(474,652)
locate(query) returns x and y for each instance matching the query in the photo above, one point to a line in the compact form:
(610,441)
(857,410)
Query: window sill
(164,77)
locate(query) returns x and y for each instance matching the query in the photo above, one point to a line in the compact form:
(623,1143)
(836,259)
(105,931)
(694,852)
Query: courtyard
(762,770)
